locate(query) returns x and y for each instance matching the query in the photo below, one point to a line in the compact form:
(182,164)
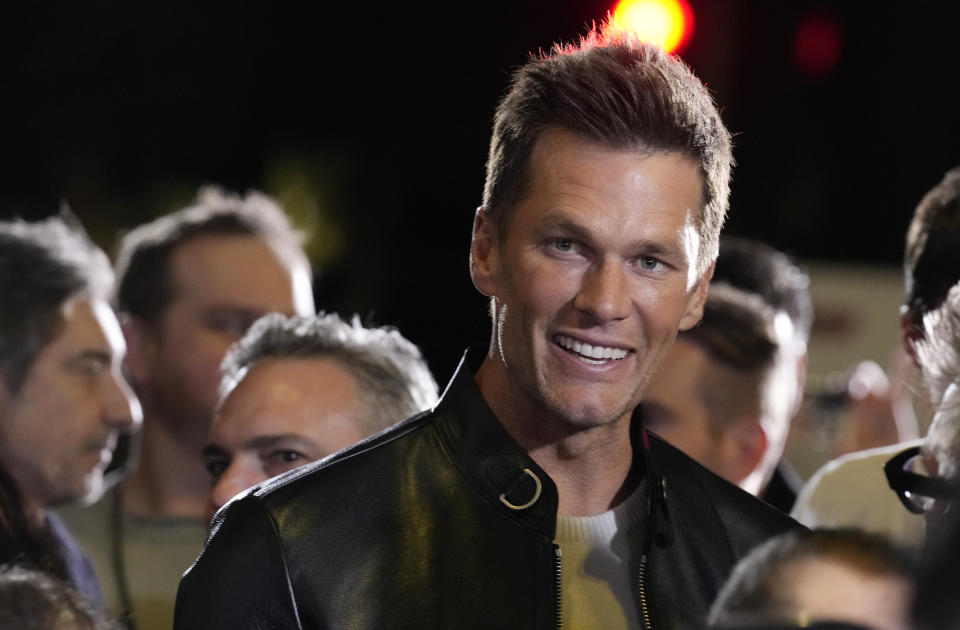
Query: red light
(667,23)
(816,45)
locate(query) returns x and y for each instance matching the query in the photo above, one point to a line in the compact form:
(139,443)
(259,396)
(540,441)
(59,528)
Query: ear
(484,254)
(697,298)
(750,444)
(141,347)
(910,333)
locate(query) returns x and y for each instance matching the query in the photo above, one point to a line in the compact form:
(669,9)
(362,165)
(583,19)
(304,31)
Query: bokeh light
(817,45)
(668,23)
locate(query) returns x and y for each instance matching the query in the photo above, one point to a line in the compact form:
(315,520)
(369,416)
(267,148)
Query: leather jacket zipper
(641,583)
(558,576)
(661,534)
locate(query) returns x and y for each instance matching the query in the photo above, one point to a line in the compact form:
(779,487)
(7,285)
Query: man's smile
(588,353)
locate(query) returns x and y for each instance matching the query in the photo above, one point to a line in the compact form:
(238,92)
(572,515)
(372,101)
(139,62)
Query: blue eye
(563,245)
(649,264)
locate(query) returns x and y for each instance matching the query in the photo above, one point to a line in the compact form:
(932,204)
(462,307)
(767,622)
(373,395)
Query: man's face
(674,408)
(221,285)
(58,431)
(283,414)
(592,280)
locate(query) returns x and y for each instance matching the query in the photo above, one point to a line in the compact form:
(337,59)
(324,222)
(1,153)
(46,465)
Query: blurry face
(675,410)
(826,590)
(593,280)
(283,414)
(58,431)
(221,285)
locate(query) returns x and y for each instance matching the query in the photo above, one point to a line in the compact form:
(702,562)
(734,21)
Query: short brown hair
(758,591)
(622,93)
(931,262)
(144,284)
(737,332)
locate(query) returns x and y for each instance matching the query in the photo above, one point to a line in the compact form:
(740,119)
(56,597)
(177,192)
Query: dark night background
(370,123)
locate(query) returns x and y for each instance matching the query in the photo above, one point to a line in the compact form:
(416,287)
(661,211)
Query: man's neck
(170,479)
(593,473)
(591,467)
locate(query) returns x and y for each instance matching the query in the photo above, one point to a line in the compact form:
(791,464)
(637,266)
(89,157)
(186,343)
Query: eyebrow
(245,311)
(558,220)
(266,441)
(259,442)
(244,314)
(214,450)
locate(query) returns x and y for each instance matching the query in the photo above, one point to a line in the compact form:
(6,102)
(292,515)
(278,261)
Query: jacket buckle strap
(508,498)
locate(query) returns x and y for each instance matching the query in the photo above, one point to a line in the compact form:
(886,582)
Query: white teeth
(591,354)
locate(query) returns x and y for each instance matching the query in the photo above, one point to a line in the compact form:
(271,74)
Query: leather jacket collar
(502,471)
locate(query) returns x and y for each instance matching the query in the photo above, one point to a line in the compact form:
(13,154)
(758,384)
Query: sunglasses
(917,492)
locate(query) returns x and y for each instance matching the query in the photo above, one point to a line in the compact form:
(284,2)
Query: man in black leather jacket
(531,496)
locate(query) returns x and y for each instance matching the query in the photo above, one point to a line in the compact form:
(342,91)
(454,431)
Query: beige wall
(857,319)
(857,309)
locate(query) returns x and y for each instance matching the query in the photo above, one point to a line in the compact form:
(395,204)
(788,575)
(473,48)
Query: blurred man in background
(936,492)
(800,579)
(63,399)
(851,491)
(732,385)
(296,389)
(711,395)
(189,285)
(758,268)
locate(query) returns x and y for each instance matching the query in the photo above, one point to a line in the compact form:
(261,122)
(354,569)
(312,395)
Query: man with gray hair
(63,399)
(938,356)
(296,389)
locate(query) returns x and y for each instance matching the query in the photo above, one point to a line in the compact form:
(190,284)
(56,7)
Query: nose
(238,476)
(604,292)
(123,412)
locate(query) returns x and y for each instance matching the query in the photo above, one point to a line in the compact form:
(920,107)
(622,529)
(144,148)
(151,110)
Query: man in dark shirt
(63,400)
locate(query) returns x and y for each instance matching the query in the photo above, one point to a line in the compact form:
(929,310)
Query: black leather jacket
(444,522)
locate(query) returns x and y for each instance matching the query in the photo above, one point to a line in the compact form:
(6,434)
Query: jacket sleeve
(240,580)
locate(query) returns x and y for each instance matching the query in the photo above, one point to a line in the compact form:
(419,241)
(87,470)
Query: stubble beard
(172,402)
(577,414)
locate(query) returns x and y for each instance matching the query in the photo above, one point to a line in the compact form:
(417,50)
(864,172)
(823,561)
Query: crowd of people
(185,442)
